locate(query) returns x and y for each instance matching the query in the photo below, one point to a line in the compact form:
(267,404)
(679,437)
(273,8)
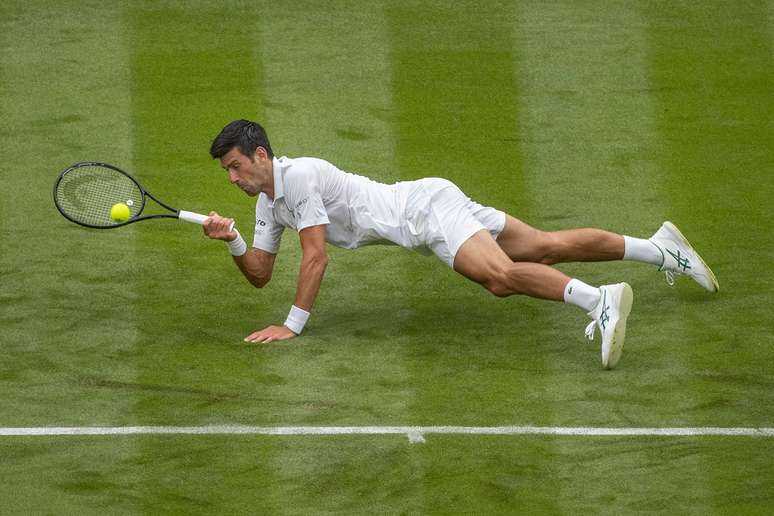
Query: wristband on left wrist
(297,319)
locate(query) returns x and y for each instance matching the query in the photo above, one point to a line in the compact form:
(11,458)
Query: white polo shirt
(428,215)
(309,191)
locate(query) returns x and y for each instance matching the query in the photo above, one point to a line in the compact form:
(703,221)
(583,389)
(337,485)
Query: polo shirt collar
(277,165)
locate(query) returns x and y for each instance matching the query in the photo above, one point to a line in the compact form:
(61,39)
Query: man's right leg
(482,260)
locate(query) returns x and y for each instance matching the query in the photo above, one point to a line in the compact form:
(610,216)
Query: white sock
(641,250)
(581,294)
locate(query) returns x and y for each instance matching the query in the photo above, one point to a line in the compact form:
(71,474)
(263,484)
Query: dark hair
(242,134)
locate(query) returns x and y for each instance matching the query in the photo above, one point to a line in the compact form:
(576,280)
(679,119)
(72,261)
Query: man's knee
(500,282)
(530,244)
(550,248)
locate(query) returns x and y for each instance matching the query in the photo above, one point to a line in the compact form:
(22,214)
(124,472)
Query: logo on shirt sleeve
(300,204)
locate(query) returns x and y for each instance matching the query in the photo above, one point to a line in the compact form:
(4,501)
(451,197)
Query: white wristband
(237,247)
(297,319)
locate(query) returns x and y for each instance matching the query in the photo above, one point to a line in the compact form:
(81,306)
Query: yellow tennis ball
(119,212)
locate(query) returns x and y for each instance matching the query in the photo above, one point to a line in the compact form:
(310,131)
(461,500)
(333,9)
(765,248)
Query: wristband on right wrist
(237,247)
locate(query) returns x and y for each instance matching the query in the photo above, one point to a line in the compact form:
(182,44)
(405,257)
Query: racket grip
(196,218)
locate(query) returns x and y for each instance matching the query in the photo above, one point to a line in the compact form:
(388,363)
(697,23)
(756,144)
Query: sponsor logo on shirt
(300,204)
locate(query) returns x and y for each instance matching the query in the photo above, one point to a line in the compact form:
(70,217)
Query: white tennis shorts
(439,218)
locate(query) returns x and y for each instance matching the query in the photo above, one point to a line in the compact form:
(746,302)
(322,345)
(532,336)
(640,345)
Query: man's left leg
(667,249)
(522,242)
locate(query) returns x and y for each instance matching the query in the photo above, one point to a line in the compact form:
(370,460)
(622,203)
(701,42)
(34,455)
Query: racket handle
(196,218)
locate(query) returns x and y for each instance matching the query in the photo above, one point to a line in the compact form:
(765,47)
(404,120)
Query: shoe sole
(619,332)
(673,229)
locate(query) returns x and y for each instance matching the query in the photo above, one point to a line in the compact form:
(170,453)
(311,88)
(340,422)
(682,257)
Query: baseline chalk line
(415,434)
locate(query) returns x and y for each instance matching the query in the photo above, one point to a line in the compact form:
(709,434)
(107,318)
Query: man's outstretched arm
(313,264)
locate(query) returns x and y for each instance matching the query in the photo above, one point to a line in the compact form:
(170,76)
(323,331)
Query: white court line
(415,434)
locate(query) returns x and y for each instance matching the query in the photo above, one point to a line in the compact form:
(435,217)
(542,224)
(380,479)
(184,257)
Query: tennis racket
(85,193)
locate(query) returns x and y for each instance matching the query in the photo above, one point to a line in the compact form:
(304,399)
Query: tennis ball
(119,212)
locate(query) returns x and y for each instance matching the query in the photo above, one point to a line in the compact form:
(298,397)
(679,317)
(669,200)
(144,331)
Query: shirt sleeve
(268,232)
(303,197)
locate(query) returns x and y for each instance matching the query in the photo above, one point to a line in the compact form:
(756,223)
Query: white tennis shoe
(610,315)
(680,258)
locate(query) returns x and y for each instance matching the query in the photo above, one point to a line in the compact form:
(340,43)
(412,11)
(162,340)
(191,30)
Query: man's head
(245,135)
(244,151)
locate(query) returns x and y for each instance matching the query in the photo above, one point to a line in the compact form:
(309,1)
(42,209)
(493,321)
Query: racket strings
(87,194)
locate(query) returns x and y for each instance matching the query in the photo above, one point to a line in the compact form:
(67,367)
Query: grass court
(617,115)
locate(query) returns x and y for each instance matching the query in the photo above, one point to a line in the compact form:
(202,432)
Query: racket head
(85,193)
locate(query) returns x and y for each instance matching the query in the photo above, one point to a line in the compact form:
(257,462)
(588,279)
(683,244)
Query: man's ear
(260,153)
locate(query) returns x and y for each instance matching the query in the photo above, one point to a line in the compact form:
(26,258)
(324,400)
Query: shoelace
(670,277)
(590,329)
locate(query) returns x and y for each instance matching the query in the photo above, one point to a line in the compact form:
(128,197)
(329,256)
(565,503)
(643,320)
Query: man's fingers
(268,335)
(218,227)
(253,337)
(258,337)
(208,223)
(222,224)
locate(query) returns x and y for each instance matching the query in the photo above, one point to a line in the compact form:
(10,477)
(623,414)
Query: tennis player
(494,249)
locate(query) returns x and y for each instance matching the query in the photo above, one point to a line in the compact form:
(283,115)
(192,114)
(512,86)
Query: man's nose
(232,177)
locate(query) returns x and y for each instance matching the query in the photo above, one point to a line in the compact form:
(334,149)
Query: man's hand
(270,334)
(216,227)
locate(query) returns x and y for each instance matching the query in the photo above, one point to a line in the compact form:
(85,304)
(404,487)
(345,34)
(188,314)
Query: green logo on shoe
(604,317)
(682,262)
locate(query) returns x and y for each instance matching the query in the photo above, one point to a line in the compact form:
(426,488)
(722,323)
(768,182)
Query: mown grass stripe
(456,108)
(66,292)
(455,97)
(61,282)
(192,71)
(715,97)
(326,96)
(710,69)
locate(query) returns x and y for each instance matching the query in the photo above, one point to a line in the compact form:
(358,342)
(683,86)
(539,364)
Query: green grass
(610,114)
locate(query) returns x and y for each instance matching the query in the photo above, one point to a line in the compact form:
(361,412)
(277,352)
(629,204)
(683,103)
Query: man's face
(243,171)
